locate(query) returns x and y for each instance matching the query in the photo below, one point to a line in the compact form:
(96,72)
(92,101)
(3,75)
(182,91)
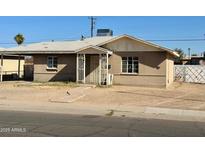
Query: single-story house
(123,60)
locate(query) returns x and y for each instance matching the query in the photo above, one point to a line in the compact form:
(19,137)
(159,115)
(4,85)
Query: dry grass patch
(47,84)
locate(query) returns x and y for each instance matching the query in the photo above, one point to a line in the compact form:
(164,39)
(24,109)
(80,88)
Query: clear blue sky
(37,29)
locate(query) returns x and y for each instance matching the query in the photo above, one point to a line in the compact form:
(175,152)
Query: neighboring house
(10,66)
(123,60)
(182,61)
(193,60)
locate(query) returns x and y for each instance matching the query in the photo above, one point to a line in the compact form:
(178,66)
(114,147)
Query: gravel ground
(180,95)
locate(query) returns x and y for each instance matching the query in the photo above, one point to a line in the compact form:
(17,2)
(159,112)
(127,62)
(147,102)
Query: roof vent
(104,32)
(82,38)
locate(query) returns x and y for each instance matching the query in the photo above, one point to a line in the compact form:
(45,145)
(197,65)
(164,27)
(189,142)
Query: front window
(52,62)
(129,64)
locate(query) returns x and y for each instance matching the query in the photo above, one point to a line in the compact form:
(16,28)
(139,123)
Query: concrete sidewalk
(111,110)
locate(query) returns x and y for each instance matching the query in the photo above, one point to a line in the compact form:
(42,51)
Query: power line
(175,40)
(16,43)
(151,40)
(44,40)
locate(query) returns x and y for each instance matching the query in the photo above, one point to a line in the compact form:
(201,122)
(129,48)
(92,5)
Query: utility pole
(1,68)
(189,52)
(92,25)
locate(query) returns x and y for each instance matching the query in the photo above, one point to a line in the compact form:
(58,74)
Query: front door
(94,69)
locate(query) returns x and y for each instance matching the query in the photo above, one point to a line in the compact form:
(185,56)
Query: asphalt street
(35,124)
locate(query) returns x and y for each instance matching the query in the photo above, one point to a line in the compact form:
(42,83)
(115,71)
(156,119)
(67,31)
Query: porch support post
(1,68)
(99,69)
(107,69)
(77,68)
(84,68)
(19,65)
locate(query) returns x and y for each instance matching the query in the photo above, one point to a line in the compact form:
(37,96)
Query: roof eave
(37,52)
(142,41)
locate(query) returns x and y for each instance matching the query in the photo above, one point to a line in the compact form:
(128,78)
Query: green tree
(19,38)
(181,54)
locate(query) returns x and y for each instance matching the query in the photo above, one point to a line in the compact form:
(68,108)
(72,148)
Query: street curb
(175,112)
(132,111)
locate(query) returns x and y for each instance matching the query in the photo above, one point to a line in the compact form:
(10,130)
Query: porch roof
(97,50)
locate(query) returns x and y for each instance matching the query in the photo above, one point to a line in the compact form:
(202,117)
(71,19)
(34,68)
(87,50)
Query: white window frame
(132,65)
(52,68)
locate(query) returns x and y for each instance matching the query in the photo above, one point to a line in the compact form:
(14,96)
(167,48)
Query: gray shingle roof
(69,46)
(74,46)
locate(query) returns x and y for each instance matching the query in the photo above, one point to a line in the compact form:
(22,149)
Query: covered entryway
(92,66)
(92,69)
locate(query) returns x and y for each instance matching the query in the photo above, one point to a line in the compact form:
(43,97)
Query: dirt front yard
(180,96)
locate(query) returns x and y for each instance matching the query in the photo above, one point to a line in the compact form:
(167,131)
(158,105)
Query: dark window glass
(129,68)
(55,62)
(124,67)
(49,62)
(52,62)
(135,66)
(135,58)
(130,59)
(124,64)
(124,58)
(130,64)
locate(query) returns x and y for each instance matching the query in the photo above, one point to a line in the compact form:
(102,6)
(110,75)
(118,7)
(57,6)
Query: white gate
(103,69)
(81,68)
(190,73)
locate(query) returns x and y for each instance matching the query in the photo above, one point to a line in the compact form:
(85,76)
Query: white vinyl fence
(190,73)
